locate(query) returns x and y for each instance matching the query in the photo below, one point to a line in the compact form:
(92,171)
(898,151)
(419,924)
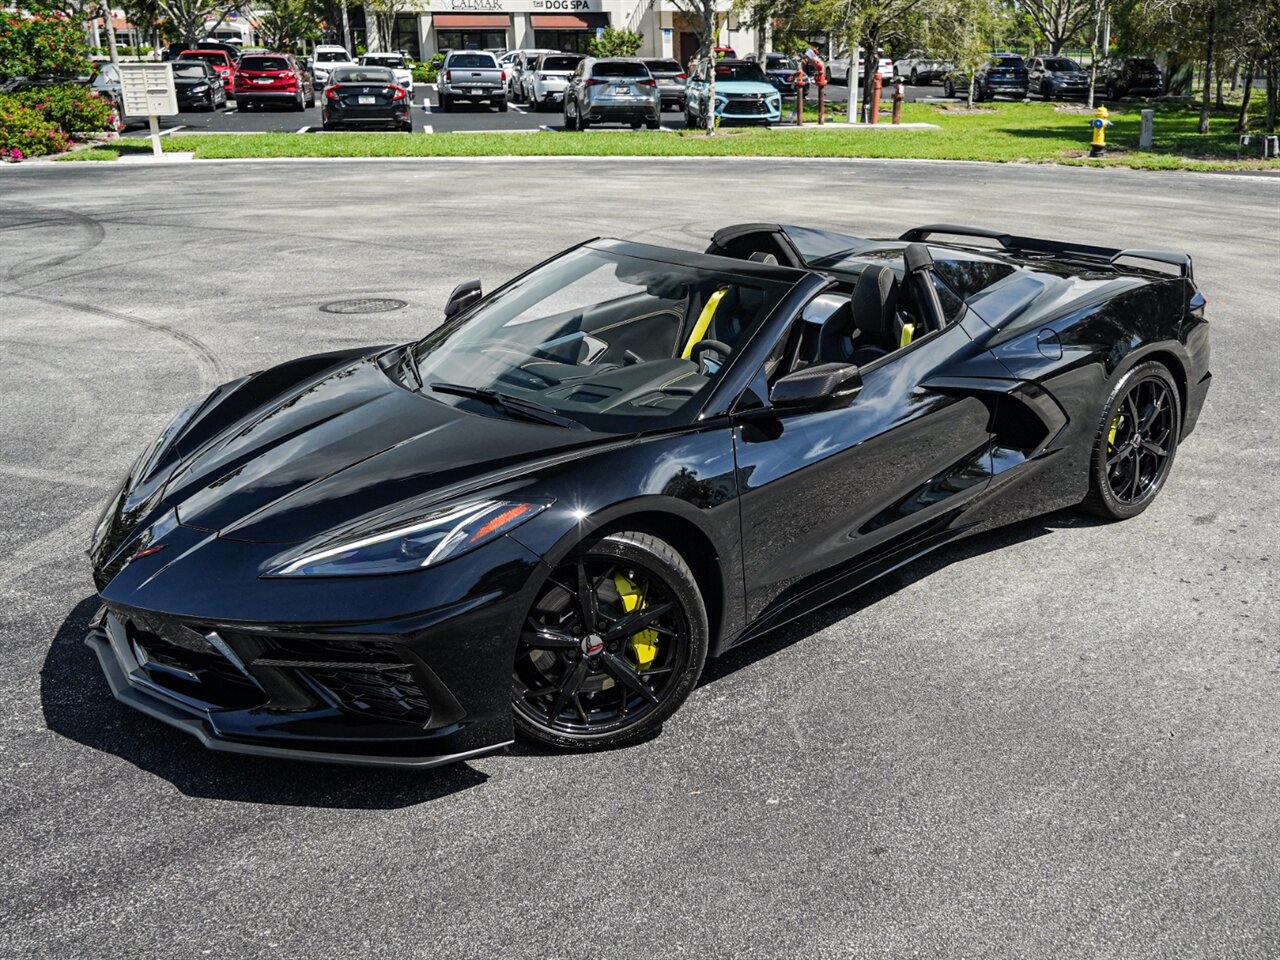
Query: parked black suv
(1130,77)
(1004,75)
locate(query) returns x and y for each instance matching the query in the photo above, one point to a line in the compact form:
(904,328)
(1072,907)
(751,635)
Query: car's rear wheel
(613,645)
(570,116)
(948,88)
(1136,443)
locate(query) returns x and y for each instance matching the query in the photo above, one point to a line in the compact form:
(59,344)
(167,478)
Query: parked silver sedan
(544,84)
(613,90)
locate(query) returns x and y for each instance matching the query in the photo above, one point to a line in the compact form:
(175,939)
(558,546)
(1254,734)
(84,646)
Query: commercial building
(556,24)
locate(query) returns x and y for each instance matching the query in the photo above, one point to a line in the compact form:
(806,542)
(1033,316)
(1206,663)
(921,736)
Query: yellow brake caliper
(1111,436)
(644,645)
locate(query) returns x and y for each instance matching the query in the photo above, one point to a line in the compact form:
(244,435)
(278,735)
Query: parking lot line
(169,130)
(428,128)
(516,109)
(304,129)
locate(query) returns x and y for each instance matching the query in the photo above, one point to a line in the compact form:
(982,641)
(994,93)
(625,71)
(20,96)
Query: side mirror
(821,387)
(463,296)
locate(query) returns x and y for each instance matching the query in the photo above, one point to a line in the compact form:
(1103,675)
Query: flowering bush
(72,108)
(25,132)
(47,43)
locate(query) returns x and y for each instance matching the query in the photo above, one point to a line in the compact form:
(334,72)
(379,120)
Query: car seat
(875,315)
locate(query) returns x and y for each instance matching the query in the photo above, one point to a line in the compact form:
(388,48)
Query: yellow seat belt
(908,331)
(704,321)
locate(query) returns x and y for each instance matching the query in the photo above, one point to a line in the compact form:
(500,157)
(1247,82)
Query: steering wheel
(702,346)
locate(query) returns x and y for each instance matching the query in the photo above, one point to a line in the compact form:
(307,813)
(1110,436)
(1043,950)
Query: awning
(569,21)
(472,21)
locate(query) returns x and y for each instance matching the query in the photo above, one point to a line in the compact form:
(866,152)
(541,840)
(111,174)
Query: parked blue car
(743,94)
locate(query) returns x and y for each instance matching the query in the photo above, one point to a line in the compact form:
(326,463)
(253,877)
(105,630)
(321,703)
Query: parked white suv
(327,58)
(396,63)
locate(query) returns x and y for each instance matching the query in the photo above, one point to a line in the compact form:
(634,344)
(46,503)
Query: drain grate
(364,305)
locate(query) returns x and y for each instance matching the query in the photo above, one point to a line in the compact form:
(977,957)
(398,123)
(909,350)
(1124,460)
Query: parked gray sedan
(613,90)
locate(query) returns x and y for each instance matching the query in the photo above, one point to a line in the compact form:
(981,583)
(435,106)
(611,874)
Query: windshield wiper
(516,406)
(411,361)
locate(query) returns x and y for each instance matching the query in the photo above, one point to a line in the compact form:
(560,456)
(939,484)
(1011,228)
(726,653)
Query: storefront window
(570,41)
(471,39)
(406,36)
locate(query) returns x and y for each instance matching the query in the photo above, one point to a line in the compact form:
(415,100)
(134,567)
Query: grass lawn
(1006,132)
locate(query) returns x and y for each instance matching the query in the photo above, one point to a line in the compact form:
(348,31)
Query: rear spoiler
(1010,242)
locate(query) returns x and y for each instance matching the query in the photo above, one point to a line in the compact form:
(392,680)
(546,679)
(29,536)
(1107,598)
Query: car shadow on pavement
(806,626)
(78,704)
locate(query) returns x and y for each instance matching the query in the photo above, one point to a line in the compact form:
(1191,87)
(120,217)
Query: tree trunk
(1219,103)
(871,59)
(1208,70)
(1273,92)
(1243,121)
(709,25)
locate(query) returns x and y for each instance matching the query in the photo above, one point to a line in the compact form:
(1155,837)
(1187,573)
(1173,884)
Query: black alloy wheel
(1136,443)
(614,643)
(948,88)
(915,77)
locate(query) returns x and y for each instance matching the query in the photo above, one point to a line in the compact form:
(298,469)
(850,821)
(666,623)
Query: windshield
(1060,64)
(604,338)
(1015,63)
(363,75)
(560,63)
(208,56)
(663,66)
(382,61)
(264,63)
(471,60)
(332,56)
(740,72)
(191,71)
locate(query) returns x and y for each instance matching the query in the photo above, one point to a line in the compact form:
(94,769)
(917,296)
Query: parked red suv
(220,60)
(273,78)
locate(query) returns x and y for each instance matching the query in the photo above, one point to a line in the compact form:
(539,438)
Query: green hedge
(26,132)
(426,71)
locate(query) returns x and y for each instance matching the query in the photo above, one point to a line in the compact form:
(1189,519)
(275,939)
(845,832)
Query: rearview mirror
(821,387)
(463,296)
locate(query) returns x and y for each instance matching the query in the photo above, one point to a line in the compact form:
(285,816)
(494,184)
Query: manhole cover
(363,305)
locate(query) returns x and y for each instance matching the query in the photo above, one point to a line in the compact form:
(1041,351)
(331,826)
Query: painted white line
(166,132)
(426,106)
(428,128)
(543,126)
(667,129)
(303,129)
(516,109)
(228,111)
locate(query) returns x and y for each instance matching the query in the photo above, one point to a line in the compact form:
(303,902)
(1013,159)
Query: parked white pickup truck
(473,76)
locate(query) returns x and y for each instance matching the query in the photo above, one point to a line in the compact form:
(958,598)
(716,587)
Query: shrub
(426,72)
(48,43)
(28,132)
(616,43)
(71,108)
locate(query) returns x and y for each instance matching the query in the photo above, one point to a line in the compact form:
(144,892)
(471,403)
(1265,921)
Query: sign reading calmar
(516,6)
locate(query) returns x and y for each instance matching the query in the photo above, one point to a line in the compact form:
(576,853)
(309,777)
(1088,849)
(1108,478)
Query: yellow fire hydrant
(1099,123)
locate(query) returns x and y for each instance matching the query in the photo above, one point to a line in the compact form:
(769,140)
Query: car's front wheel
(613,645)
(1136,443)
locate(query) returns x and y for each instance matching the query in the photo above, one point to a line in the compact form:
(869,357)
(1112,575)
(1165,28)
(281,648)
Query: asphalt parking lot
(1056,740)
(465,118)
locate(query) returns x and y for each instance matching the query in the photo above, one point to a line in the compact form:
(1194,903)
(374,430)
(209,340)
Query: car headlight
(201,88)
(445,534)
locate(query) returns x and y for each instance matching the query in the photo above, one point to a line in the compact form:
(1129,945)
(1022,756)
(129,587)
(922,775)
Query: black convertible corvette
(545,515)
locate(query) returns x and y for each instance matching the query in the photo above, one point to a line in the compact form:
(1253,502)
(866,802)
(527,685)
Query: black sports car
(544,516)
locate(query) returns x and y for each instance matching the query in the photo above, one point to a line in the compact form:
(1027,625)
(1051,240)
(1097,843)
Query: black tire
(570,121)
(652,124)
(300,104)
(1046,92)
(689,122)
(311,100)
(948,88)
(915,77)
(501,105)
(446,105)
(590,691)
(1129,466)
